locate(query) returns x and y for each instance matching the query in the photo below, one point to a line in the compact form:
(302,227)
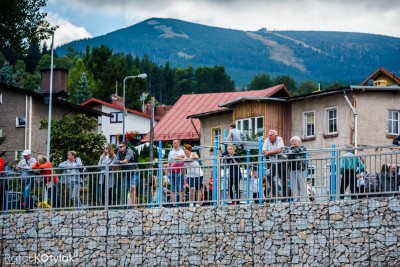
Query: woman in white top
(106,159)
(194,174)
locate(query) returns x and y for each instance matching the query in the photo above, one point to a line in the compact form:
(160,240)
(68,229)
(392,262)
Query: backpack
(371,182)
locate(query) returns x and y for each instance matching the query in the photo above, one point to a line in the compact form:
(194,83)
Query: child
(311,189)
(254,183)
(233,163)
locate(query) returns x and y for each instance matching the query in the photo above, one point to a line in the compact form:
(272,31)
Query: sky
(79,19)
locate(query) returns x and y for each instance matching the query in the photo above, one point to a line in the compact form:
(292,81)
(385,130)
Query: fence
(331,173)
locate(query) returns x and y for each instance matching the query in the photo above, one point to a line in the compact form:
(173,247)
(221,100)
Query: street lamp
(50,95)
(142,76)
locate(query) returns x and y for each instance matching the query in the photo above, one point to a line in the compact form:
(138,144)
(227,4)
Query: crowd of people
(183,182)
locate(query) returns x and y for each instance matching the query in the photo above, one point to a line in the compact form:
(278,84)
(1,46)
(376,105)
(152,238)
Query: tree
(287,81)
(21,22)
(75,134)
(260,81)
(25,79)
(7,75)
(33,57)
(82,91)
(75,76)
(307,87)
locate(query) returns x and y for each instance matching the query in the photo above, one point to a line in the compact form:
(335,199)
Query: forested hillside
(323,57)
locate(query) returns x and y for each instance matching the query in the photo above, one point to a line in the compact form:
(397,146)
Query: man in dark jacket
(127,158)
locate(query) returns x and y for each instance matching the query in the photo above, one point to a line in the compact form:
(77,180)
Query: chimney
(117,100)
(59,82)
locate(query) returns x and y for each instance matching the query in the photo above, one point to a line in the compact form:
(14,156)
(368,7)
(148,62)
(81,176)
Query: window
(99,120)
(116,117)
(251,126)
(393,122)
(216,133)
(308,122)
(1,98)
(18,155)
(331,120)
(1,132)
(20,122)
(113,139)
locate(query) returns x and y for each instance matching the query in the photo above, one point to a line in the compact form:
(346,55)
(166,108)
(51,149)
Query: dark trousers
(348,179)
(234,182)
(280,171)
(52,195)
(3,189)
(103,189)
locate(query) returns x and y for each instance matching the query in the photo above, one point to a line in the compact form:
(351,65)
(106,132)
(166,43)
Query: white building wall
(133,122)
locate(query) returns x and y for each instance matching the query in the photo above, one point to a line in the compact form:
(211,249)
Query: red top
(46,173)
(1,165)
(210,184)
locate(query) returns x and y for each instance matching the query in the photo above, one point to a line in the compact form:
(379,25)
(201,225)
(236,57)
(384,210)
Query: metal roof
(180,121)
(92,102)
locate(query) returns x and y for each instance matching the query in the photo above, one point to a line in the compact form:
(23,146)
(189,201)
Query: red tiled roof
(380,71)
(175,125)
(92,102)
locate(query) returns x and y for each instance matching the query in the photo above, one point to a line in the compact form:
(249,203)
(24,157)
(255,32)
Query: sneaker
(198,205)
(191,205)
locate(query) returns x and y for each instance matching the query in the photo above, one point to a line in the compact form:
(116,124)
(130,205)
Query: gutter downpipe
(355,122)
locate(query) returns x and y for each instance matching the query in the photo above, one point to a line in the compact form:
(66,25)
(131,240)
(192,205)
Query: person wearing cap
(24,166)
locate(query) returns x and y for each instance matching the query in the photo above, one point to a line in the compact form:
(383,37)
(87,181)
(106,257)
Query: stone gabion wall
(335,233)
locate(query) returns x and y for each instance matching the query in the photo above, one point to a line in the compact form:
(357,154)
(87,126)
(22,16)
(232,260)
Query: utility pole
(151,129)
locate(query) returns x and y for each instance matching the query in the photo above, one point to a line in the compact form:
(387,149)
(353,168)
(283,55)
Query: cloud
(67,31)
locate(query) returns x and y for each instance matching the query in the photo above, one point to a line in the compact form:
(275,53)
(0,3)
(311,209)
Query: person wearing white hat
(27,177)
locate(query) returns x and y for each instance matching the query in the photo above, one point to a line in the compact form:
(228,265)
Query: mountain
(320,56)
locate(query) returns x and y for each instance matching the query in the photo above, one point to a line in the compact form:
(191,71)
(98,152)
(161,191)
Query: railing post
(333,172)
(160,181)
(225,136)
(260,169)
(106,181)
(216,176)
(248,178)
(6,191)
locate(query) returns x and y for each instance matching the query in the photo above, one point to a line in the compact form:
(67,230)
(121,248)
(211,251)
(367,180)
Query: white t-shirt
(272,146)
(173,153)
(193,168)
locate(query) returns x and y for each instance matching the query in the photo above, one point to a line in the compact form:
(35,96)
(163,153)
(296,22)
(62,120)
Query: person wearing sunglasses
(128,161)
(106,159)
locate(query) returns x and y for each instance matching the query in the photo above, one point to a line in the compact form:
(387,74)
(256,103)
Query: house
(359,115)
(136,123)
(185,119)
(382,77)
(22,111)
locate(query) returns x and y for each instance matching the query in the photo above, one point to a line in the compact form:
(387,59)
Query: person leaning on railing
(272,149)
(106,159)
(297,167)
(350,166)
(24,166)
(50,180)
(194,175)
(71,176)
(231,158)
(127,157)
